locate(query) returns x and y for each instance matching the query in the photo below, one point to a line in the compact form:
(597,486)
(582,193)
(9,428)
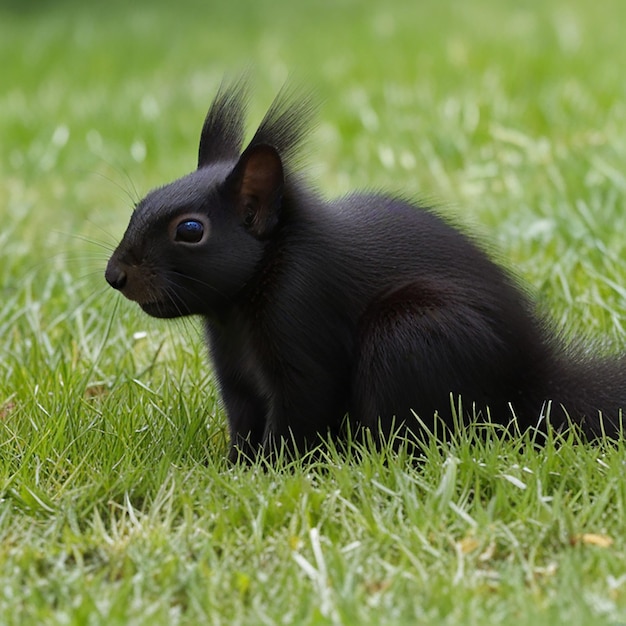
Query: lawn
(116,503)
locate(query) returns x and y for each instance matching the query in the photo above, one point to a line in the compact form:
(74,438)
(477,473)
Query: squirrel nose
(115,276)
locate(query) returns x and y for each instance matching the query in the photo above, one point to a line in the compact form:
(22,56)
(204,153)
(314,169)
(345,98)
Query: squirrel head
(191,246)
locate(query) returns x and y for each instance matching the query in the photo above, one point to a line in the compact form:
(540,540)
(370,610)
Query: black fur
(367,306)
(223,130)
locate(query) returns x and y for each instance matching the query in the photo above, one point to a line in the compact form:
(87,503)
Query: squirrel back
(367,308)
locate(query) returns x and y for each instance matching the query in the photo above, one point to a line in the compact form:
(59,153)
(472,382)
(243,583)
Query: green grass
(116,504)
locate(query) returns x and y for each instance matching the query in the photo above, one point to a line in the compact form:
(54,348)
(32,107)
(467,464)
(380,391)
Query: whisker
(95,265)
(94,242)
(175,299)
(177,291)
(134,188)
(91,276)
(201,283)
(189,328)
(129,196)
(104,231)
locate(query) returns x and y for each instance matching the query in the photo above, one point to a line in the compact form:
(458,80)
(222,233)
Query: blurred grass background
(114,504)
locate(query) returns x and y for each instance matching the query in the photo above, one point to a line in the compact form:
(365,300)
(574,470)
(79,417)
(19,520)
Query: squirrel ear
(258,178)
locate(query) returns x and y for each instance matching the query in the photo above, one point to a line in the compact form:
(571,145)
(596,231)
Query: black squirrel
(367,308)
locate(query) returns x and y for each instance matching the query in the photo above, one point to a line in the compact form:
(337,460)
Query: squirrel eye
(189,231)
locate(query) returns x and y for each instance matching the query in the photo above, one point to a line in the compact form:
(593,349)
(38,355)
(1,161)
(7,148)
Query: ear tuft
(287,123)
(259,180)
(223,129)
